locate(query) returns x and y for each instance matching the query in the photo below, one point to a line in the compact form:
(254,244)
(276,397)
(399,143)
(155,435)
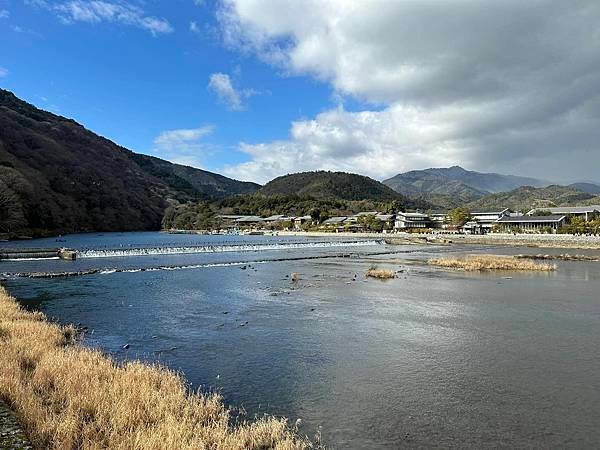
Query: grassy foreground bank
(68,396)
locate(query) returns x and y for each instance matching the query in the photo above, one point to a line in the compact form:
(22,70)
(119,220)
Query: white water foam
(113,253)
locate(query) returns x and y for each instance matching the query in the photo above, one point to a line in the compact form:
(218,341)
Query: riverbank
(512,240)
(68,396)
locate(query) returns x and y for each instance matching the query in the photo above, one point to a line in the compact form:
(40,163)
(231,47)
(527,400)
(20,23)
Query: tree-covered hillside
(58,177)
(331,185)
(203,215)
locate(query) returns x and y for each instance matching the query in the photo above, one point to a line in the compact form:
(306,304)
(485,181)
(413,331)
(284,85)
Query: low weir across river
(37,253)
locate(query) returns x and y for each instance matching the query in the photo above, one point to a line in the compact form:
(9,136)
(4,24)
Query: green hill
(58,177)
(331,185)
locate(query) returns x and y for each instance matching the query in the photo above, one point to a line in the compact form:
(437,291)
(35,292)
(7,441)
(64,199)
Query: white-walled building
(482,222)
(406,221)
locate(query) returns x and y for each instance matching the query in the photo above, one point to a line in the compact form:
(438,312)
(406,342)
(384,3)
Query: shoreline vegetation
(382,274)
(68,396)
(490,262)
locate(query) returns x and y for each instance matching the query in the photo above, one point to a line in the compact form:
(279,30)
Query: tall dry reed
(490,262)
(383,274)
(68,396)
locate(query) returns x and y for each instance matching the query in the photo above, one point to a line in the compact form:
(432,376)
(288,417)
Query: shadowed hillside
(58,177)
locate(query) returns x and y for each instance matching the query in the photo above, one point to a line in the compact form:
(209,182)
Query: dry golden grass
(490,262)
(68,396)
(383,274)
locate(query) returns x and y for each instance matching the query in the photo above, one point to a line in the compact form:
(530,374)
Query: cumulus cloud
(97,11)
(184,146)
(222,85)
(510,86)
(375,143)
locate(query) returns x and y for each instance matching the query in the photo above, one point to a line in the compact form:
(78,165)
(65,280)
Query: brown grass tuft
(490,262)
(382,274)
(68,396)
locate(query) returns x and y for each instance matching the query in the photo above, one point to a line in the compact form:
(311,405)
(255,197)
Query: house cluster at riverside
(540,220)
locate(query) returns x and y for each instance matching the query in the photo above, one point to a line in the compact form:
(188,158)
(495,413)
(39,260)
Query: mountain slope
(589,188)
(329,185)
(463,185)
(419,182)
(196,182)
(528,197)
(57,177)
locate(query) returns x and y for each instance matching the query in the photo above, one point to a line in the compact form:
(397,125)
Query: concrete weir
(35,253)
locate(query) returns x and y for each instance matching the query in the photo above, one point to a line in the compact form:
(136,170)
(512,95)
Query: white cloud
(4,14)
(184,146)
(365,142)
(97,11)
(3,72)
(511,86)
(228,94)
(194,27)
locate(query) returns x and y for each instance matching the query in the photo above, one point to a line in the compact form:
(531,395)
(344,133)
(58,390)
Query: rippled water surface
(430,359)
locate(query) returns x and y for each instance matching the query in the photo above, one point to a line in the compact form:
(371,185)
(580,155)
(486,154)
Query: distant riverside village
(574,220)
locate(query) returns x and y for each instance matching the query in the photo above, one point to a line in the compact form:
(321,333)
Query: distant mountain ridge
(526,198)
(58,177)
(458,184)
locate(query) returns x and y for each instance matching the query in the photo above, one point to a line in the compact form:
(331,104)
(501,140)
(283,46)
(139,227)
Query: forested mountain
(527,197)
(58,177)
(459,184)
(331,185)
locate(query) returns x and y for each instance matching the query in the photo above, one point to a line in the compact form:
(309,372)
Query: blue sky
(255,89)
(130,85)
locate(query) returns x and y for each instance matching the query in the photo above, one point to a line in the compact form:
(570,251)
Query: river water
(432,358)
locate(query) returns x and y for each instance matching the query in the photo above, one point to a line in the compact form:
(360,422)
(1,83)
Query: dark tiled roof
(530,219)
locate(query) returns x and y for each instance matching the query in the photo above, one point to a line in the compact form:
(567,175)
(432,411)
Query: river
(432,358)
